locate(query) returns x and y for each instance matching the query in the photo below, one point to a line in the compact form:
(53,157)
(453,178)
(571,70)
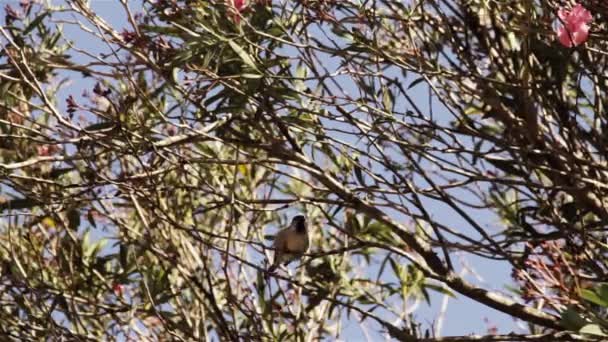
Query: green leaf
(252,76)
(359,175)
(401,273)
(514,43)
(301,71)
(123,256)
(99,126)
(387,98)
(415,82)
(283,93)
(260,287)
(593,297)
(603,292)
(572,320)
(35,23)
(473,111)
(592,329)
(243,54)
(18,203)
(397,269)
(378,231)
(74,219)
(383,265)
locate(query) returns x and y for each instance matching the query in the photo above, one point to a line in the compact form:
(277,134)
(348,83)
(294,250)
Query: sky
(463,316)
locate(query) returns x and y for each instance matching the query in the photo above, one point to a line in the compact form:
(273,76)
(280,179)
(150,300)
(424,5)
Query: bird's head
(299,222)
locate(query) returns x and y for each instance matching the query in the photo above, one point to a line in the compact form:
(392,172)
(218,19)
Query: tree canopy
(145,167)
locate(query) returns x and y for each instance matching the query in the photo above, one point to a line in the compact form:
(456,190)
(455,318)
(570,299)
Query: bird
(290,243)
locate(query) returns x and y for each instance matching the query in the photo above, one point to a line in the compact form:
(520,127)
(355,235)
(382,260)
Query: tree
(141,207)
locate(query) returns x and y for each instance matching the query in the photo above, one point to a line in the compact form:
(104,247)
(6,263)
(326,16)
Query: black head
(300,223)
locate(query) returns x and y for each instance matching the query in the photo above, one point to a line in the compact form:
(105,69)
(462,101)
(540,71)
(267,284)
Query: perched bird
(290,243)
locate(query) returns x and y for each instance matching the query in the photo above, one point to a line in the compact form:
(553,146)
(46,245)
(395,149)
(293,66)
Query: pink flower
(46,150)
(574,29)
(237,8)
(239,5)
(43,150)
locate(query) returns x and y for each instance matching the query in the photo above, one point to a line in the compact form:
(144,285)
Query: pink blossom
(574,29)
(47,150)
(237,8)
(119,289)
(43,150)
(239,4)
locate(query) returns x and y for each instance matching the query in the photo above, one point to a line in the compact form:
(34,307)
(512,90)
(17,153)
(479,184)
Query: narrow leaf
(243,55)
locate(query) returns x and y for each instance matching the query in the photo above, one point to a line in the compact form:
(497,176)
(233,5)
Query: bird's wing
(280,241)
(279,245)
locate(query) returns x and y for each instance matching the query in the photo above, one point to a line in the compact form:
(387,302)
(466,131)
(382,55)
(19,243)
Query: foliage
(143,167)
